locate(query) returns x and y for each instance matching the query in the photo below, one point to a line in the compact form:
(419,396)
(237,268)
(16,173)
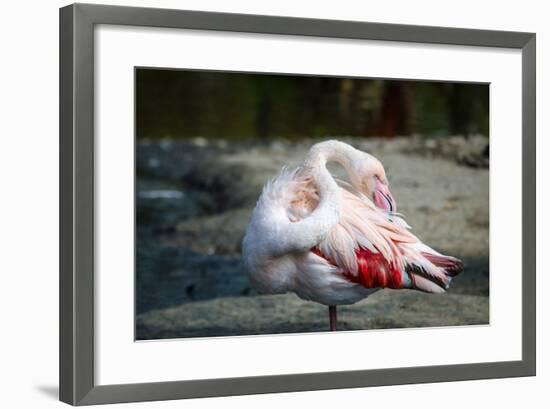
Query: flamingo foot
(332,317)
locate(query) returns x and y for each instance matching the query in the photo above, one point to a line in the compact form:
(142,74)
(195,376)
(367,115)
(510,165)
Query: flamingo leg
(332,317)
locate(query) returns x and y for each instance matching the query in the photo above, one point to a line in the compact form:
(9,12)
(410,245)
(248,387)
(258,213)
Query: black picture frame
(77,21)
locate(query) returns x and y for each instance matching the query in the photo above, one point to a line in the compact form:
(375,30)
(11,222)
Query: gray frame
(76,347)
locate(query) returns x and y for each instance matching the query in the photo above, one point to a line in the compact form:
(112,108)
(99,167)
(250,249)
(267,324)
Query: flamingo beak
(383,197)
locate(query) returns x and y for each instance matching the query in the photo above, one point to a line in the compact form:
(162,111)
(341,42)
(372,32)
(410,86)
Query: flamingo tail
(451,265)
(422,279)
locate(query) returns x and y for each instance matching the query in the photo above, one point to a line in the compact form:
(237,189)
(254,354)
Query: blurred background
(183,104)
(206,142)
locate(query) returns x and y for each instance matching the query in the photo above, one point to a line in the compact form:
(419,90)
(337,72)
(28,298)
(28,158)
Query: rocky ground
(194,200)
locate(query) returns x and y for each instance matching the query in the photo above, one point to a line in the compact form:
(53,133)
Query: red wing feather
(374,271)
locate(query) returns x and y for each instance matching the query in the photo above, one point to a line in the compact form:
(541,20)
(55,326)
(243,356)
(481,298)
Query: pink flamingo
(336,243)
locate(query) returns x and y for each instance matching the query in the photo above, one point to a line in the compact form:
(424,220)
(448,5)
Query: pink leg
(332,317)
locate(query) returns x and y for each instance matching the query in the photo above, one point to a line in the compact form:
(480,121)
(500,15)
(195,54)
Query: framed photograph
(258,204)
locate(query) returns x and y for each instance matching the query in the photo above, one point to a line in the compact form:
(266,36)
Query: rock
(220,234)
(273,314)
(475,152)
(199,141)
(470,151)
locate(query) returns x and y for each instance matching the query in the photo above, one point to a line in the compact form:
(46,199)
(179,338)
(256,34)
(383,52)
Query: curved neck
(332,151)
(309,232)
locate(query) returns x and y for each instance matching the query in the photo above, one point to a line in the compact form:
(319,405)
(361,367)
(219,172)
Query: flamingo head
(369,177)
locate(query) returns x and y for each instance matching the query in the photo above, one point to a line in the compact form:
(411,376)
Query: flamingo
(335,242)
